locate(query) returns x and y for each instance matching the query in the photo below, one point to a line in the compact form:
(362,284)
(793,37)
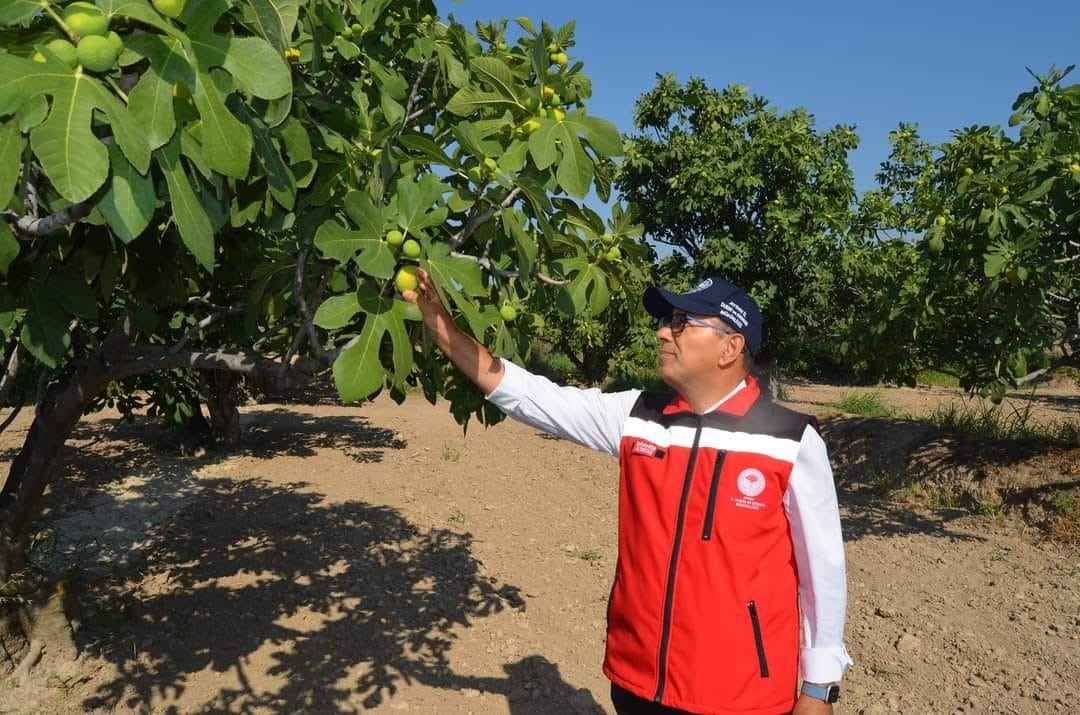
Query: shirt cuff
(824,665)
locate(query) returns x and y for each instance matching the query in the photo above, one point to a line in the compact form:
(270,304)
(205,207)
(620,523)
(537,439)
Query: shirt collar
(737,402)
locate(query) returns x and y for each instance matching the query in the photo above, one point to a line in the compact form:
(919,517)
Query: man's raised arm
(472,358)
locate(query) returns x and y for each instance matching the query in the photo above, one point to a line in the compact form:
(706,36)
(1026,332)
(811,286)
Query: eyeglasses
(677,322)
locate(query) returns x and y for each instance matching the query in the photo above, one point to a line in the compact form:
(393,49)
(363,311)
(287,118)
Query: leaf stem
(47,6)
(115,86)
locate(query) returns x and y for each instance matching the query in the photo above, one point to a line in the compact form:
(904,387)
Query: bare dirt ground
(374,558)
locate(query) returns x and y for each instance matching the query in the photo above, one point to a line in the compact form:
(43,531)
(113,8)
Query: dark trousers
(626,703)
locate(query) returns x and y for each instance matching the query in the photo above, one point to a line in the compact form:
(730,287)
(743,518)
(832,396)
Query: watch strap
(829,692)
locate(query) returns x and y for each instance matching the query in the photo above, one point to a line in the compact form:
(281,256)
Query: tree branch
(413,95)
(420,112)
(486,264)
(151,358)
(8,379)
(31,228)
(1031,376)
(10,418)
(480,219)
(308,320)
(202,325)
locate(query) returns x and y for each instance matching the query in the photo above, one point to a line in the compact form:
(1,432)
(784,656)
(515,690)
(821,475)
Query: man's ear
(732,350)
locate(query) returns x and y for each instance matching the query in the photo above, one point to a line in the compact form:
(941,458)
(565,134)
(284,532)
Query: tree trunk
(59,410)
(222,401)
(57,414)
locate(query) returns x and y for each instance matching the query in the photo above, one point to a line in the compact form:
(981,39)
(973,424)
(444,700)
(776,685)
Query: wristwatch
(827,692)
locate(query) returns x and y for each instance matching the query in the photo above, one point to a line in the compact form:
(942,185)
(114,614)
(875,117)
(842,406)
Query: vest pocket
(714,486)
(763,664)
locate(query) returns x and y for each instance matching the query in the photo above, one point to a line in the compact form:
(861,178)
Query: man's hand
(811,706)
(436,318)
(472,358)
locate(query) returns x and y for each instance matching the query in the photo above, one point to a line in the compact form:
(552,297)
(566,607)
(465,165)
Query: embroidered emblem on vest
(751,482)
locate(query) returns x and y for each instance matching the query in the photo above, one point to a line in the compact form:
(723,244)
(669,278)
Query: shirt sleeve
(590,417)
(814,515)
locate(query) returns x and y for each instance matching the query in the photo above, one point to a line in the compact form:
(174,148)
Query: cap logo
(701,286)
(734,314)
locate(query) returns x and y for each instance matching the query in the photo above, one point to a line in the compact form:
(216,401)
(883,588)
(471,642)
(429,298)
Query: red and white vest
(704,614)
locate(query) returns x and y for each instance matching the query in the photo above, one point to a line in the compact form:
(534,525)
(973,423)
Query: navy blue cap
(716,297)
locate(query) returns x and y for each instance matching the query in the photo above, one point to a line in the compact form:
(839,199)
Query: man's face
(693,347)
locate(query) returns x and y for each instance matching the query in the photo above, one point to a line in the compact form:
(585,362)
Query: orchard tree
(605,345)
(741,190)
(193,193)
(994,295)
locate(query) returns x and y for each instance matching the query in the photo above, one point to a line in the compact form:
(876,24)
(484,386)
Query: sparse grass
(881,671)
(457,517)
(590,555)
(1068,371)
(868,404)
(55,681)
(882,482)
(929,494)
(1065,516)
(1002,423)
(937,378)
(993,505)
(450,453)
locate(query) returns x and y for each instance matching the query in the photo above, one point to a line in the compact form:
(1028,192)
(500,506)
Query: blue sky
(944,65)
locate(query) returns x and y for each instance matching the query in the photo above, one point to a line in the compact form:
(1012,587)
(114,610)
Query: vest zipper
(665,632)
(706,532)
(763,665)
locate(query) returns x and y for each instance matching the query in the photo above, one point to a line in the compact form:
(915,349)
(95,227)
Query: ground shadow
(868,515)
(103,451)
(875,458)
(340,604)
(918,449)
(265,432)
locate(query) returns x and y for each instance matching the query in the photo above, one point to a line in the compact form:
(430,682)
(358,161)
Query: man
(729,532)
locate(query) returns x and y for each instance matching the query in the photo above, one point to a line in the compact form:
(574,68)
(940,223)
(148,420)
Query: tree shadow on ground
(919,449)
(867,515)
(875,458)
(301,607)
(102,451)
(266,432)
